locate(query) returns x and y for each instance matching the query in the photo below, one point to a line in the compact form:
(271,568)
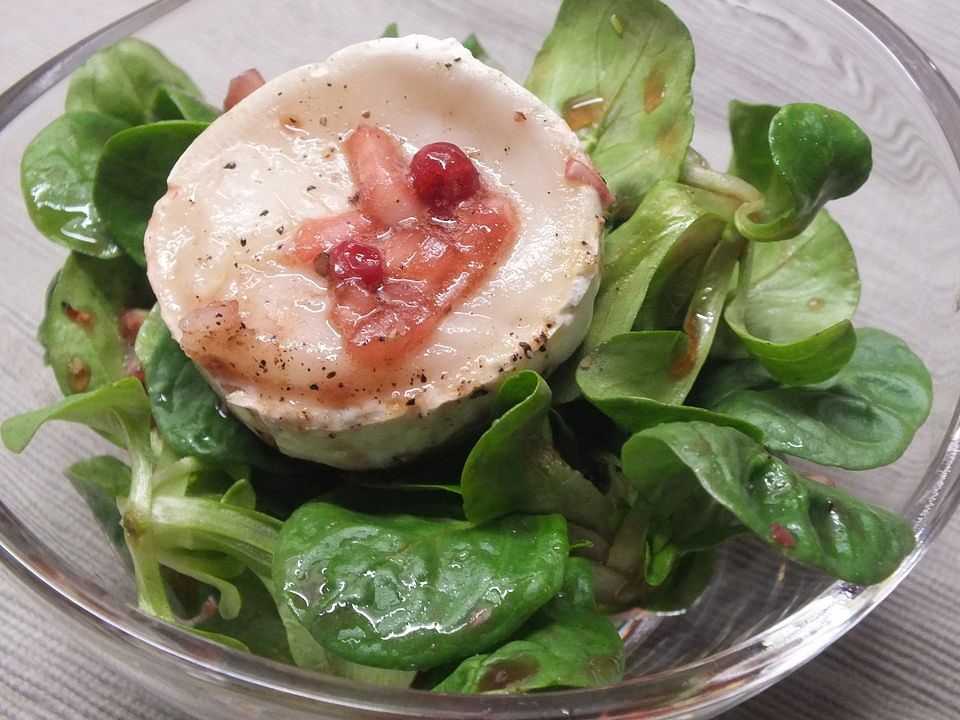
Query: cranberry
(443,176)
(353,260)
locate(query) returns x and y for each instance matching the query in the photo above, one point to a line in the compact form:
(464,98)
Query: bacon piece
(241,86)
(320,235)
(380,172)
(130,321)
(582,171)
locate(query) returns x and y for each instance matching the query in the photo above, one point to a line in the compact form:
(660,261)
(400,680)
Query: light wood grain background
(901,663)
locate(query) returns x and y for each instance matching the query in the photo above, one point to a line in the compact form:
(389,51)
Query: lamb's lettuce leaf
(864,417)
(121,81)
(568,643)
(800,156)
(802,519)
(794,306)
(619,72)
(56,175)
(409,593)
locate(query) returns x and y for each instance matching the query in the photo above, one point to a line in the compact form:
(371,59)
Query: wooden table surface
(870,673)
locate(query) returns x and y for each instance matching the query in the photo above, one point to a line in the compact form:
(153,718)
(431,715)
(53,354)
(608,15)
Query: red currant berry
(353,260)
(443,176)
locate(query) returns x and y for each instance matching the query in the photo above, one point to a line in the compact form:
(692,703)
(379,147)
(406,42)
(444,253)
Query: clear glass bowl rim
(701,688)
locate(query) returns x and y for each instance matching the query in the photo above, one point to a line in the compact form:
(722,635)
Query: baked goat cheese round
(360,251)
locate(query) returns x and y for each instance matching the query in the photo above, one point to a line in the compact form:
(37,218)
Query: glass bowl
(760,618)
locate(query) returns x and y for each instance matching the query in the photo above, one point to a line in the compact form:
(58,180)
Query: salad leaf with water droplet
(56,176)
(672,218)
(410,593)
(673,224)
(643,378)
(568,643)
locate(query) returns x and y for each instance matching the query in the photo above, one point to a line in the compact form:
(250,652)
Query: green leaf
(688,578)
(172,103)
(304,649)
(384,499)
(674,223)
(132,176)
(408,593)
(643,378)
(619,73)
(211,636)
(631,378)
(390,31)
(567,644)
(188,412)
(101,481)
(196,523)
(385,677)
(662,555)
(56,176)
(796,299)
(81,332)
(659,565)
(515,467)
(121,412)
(864,417)
(308,653)
(673,284)
(241,494)
(801,286)
(802,519)
(122,79)
(793,309)
(112,410)
(213,570)
(801,156)
(105,472)
(750,134)
(672,217)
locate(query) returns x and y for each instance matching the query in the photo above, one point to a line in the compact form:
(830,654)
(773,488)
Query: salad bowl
(759,618)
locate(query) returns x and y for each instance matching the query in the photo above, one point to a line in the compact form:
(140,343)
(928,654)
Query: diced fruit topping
(443,176)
